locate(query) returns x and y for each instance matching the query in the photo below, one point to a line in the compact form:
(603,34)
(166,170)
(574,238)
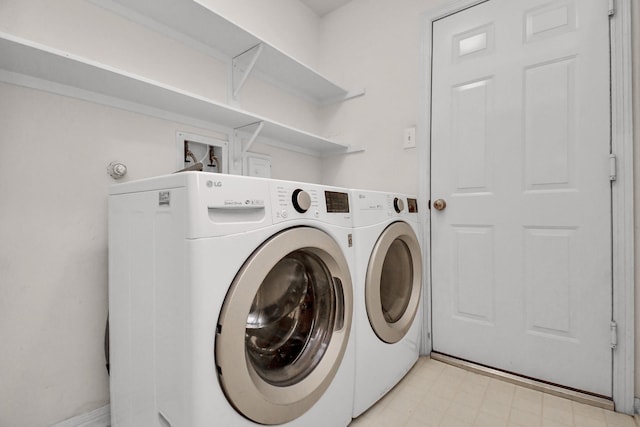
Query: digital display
(412,204)
(337,202)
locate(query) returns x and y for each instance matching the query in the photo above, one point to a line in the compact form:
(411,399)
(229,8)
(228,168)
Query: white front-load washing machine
(388,283)
(230,302)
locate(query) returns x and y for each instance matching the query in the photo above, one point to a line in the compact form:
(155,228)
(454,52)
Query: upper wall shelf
(33,65)
(191,21)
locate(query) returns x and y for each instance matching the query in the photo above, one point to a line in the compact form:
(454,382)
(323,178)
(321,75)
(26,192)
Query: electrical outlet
(211,152)
(409,140)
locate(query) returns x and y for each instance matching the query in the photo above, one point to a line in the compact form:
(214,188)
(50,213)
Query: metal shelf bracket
(350,95)
(240,73)
(246,147)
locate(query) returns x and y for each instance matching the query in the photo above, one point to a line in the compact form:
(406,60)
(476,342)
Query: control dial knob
(398,205)
(301,200)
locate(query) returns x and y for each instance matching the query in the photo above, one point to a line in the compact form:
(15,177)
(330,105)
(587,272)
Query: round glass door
(285,318)
(291,319)
(394,281)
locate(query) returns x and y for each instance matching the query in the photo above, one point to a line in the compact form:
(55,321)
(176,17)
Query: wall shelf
(192,22)
(29,64)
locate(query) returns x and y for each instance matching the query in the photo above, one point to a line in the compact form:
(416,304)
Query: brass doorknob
(439,204)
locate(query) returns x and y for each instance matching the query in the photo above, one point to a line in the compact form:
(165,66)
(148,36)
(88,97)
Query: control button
(284,214)
(398,205)
(301,200)
(316,213)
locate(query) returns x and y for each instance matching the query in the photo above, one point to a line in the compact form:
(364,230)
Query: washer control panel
(292,200)
(337,201)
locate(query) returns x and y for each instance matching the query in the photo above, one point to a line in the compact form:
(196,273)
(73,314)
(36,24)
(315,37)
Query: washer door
(284,326)
(394,280)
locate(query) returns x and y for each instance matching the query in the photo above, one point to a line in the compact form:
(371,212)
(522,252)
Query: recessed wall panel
(548,281)
(470,110)
(550,20)
(473,273)
(473,43)
(549,133)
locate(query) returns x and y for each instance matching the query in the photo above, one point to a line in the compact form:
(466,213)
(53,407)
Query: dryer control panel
(373,207)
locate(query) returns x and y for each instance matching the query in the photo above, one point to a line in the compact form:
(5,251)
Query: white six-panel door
(521,254)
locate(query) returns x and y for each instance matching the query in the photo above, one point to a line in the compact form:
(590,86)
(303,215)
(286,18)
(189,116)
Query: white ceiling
(322,7)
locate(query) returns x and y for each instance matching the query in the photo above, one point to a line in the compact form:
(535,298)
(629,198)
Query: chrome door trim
(395,331)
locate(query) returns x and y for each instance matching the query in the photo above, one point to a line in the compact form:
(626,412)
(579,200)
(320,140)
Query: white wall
(81,28)
(53,154)
(375,44)
(289,25)
(53,185)
(54,150)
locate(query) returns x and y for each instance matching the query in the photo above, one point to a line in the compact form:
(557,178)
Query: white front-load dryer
(230,303)
(388,284)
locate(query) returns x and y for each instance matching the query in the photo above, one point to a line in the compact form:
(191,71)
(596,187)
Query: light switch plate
(409,140)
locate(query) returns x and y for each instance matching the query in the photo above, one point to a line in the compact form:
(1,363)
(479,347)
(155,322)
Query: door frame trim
(623,212)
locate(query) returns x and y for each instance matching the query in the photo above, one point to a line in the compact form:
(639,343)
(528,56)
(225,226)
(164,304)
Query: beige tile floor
(434,394)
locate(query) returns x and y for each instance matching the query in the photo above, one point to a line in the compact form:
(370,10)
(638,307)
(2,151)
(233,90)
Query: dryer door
(393,283)
(284,326)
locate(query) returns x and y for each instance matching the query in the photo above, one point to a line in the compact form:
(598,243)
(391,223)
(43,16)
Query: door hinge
(429,204)
(614,335)
(613,168)
(612,7)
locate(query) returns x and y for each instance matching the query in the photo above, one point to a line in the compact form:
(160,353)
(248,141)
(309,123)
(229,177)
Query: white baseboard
(100,417)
